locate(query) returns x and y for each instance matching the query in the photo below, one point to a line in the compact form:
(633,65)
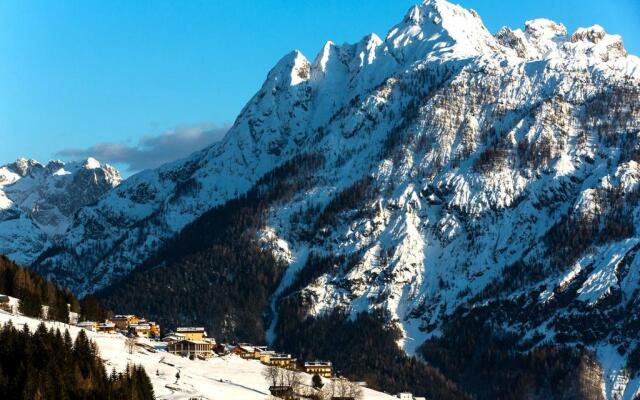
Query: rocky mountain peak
(437,28)
(37,202)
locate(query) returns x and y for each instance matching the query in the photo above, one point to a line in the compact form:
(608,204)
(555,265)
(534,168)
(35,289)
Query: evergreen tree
(46,364)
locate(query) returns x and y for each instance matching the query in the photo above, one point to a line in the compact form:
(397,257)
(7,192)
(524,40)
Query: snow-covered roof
(318,364)
(190,329)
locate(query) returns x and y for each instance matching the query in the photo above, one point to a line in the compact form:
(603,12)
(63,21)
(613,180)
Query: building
(322,368)
(140,330)
(265,356)
(258,351)
(192,333)
(154,330)
(122,322)
(5,303)
(282,392)
(279,360)
(88,325)
(191,348)
(173,337)
(245,351)
(221,349)
(106,327)
(408,396)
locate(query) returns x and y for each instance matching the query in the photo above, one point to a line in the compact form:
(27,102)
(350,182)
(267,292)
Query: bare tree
(273,375)
(341,387)
(292,379)
(130,344)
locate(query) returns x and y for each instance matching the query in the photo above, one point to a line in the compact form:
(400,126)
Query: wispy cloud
(151,151)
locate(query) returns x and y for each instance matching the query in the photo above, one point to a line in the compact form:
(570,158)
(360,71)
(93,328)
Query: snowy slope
(489,154)
(220,378)
(38,202)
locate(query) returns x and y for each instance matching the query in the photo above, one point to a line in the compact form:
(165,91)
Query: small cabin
(282,392)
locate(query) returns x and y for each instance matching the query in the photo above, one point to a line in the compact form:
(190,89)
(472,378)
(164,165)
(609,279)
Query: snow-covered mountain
(459,168)
(38,202)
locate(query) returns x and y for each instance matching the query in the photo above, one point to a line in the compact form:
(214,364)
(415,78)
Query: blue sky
(150,80)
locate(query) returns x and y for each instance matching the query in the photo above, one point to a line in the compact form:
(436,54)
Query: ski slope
(220,378)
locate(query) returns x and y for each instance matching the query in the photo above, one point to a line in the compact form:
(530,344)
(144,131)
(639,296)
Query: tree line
(34,292)
(48,364)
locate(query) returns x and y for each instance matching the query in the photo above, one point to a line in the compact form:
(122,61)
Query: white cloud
(151,151)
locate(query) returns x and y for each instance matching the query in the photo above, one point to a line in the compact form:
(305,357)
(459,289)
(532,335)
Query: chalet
(282,392)
(244,350)
(191,348)
(279,360)
(140,330)
(322,368)
(221,349)
(192,333)
(258,351)
(265,356)
(106,327)
(122,322)
(88,326)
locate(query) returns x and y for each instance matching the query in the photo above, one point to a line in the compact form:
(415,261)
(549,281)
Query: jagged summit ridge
(37,201)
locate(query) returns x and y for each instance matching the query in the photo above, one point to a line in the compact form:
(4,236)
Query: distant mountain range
(479,191)
(38,202)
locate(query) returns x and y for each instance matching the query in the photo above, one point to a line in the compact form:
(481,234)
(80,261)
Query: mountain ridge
(37,202)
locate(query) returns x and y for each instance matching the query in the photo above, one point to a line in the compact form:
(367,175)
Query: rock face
(460,168)
(38,202)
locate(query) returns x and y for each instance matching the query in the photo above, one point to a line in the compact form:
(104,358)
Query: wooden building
(244,350)
(322,368)
(145,329)
(88,326)
(122,322)
(189,348)
(106,327)
(140,330)
(279,360)
(282,392)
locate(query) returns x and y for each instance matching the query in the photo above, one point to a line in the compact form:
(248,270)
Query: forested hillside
(49,365)
(34,292)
